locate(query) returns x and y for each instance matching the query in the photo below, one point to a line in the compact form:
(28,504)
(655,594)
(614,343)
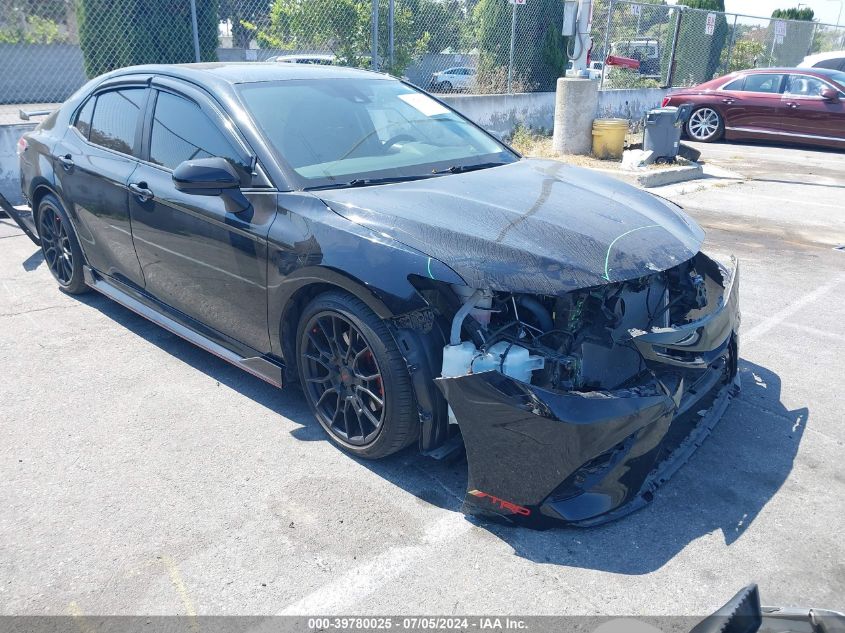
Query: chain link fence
(659,45)
(48,48)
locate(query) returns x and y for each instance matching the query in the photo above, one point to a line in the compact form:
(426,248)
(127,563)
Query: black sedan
(421,281)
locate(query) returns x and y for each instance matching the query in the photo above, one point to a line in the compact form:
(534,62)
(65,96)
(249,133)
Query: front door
(804,112)
(200,255)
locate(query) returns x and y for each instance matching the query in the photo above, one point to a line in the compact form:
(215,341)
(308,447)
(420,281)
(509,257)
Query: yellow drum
(609,138)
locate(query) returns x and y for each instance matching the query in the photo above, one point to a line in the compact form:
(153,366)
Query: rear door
(94,161)
(805,113)
(755,106)
(198,256)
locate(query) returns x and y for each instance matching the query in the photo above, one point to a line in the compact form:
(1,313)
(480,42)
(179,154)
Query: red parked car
(799,105)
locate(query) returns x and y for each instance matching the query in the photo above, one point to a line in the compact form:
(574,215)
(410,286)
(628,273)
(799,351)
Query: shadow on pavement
(723,487)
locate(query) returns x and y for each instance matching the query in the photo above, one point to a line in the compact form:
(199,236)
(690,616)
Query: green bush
(117,33)
(38,30)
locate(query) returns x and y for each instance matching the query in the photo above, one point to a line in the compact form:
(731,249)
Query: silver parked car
(458,78)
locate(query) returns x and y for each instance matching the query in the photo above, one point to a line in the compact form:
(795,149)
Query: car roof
(248,72)
(783,69)
(306,56)
(809,60)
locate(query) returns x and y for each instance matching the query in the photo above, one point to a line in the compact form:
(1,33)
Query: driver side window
(181,131)
(804,86)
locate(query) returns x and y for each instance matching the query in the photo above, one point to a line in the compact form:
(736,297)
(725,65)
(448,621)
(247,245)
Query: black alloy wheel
(56,244)
(354,378)
(59,245)
(343,379)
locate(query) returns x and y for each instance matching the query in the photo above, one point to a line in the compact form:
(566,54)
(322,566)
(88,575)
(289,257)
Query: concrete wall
(39,73)
(500,114)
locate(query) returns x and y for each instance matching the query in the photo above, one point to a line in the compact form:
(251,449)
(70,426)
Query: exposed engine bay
(580,341)
(576,407)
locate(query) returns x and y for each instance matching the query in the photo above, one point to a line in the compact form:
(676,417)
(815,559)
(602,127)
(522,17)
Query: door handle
(141,192)
(728,101)
(66,161)
(793,105)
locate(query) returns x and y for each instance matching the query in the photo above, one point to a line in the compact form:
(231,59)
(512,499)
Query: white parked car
(834,60)
(322,60)
(595,69)
(453,79)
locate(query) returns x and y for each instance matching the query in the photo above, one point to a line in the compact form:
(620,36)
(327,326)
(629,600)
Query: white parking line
(812,331)
(781,315)
(347,591)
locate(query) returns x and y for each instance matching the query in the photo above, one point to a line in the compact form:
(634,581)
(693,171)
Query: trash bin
(663,128)
(609,137)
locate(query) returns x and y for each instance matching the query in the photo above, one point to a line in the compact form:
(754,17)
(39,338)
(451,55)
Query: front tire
(59,245)
(705,125)
(354,378)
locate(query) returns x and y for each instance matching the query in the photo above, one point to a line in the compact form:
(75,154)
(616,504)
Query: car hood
(532,226)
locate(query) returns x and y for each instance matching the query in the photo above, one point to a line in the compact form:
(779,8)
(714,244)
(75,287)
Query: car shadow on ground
(722,489)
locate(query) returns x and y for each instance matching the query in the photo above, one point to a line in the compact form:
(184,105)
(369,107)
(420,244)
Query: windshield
(334,132)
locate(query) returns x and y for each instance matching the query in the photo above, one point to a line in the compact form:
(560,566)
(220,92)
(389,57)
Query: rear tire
(354,378)
(705,125)
(59,245)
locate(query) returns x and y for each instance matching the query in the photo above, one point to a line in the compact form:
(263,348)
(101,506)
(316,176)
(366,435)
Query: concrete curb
(657,177)
(661,177)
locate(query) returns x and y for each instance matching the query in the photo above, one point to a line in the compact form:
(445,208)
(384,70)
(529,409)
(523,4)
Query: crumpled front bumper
(538,458)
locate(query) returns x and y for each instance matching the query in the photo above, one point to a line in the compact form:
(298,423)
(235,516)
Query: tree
(241,14)
(540,54)
(343,28)
(748,53)
(117,33)
(698,54)
(35,22)
(805,14)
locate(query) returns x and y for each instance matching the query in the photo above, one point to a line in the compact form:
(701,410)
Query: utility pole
(390,48)
(513,36)
(374,65)
(195,29)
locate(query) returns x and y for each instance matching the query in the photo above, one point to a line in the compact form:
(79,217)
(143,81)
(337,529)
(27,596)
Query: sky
(826,10)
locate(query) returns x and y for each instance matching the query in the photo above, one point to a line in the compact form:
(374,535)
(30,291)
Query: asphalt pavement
(139,474)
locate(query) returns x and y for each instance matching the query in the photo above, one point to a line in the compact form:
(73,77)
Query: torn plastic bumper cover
(538,457)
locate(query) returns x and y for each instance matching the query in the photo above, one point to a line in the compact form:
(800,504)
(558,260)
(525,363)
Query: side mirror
(205,176)
(830,94)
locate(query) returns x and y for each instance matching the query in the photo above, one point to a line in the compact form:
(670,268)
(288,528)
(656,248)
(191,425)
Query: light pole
(839,16)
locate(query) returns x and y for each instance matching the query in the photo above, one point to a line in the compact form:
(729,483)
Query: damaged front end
(575,408)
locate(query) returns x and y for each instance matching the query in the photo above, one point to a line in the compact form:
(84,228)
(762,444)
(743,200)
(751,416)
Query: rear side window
(181,131)
(83,119)
(835,63)
(736,84)
(763,83)
(116,119)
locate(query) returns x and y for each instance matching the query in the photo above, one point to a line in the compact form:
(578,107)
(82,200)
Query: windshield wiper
(366,182)
(460,169)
